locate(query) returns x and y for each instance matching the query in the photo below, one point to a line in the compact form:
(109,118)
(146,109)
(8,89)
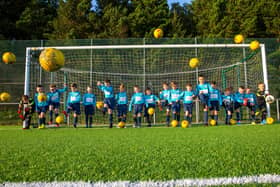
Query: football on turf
(232,121)
(269,120)
(51,59)
(121,124)
(174,123)
(59,119)
(184,124)
(9,58)
(213,122)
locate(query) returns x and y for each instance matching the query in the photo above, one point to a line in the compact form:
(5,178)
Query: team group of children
(170,98)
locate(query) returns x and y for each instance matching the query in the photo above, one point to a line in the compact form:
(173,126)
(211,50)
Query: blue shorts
(237,105)
(166,105)
(176,107)
(146,108)
(122,109)
(252,107)
(137,108)
(188,107)
(89,109)
(55,105)
(214,105)
(41,109)
(75,107)
(228,107)
(110,102)
(204,99)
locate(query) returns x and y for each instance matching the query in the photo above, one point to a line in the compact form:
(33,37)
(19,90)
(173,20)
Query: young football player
(89,102)
(202,91)
(122,101)
(239,102)
(41,106)
(109,101)
(164,98)
(251,104)
(150,102)
(215,101)
(54,101)
(73,103)
(137,102)
(25,110)
(261,102)
(187,96)
(228,104)
(174,99)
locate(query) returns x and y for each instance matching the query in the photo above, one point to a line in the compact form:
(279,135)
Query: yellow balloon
(151,111)
(213,122)
(158,33)
(9,58)
(269,120)
(59,119)
(254,45)
(121,124)
(51,59)
(184,124)
(42,97)
(238,38)
(99,104)
(174,123)
(194,62)
(5,97)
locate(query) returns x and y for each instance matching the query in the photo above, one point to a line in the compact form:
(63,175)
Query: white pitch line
(258,179)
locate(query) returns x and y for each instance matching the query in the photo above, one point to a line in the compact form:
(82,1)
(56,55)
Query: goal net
(230,65)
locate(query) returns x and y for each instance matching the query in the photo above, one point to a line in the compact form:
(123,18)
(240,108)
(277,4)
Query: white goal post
(159,57)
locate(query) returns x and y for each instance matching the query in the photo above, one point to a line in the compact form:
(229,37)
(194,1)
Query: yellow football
(174,123)
(151,111)
(158,33)
(184,124)
(121,124)
(254,45)
(194,62)
(42,97)
(5,97)
(51,59)
(238,38)
(9,58)
(232,121)
(269,120)
(213,122)
(59,119)
(99,104)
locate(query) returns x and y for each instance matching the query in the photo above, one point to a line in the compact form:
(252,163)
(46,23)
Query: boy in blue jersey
(150,102)
(73,103)
(202,91)
(215,100)
(164,97)
(251,104)
(122,101)
(239,102)
(228,102)
(54,101)
(187,96)
(109,101)
(89,102)
(174,100)
(137,102)
(41,107)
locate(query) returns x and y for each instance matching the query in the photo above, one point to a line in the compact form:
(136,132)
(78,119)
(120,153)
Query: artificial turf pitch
(158,154)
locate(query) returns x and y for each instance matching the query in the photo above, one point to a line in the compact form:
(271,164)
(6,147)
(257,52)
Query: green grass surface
(67,154)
